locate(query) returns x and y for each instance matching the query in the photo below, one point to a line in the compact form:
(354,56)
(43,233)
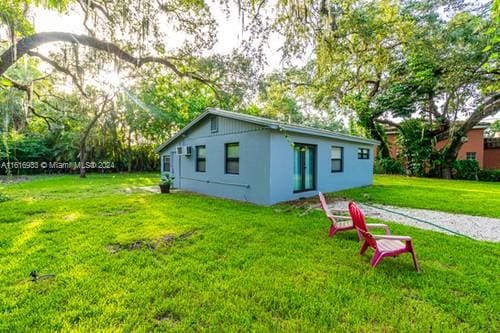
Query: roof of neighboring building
(269,123)
(393,130)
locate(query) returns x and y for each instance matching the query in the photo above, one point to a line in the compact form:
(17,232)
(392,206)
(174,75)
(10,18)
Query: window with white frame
(470,155)
(337,159)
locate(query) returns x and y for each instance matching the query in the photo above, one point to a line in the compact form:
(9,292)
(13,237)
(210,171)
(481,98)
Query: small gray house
(259,160)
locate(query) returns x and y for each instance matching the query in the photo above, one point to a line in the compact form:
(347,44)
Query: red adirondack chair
(343,222)
(383,245)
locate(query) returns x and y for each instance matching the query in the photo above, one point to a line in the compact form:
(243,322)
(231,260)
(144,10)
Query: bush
(389,166)
(489,175)
(416,145)
(469,170)
(466,169)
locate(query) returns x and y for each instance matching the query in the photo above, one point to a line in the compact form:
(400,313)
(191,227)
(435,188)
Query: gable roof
(269,123)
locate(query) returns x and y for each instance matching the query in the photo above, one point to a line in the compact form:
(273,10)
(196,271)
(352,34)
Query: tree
(132,26)
(126,37)
(277,100)
(286,96)
(354,44)
(449,76)
(495,127)
(386,59)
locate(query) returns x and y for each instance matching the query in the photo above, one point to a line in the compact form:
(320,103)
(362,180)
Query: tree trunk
(446,171)
(450,152)
(383,149)
(129,148)
(85,135)
(83,157)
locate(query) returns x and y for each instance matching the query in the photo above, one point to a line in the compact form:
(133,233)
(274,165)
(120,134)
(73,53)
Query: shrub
(469,170)
(489,175)
(416,145)
(466,169)
(389,166)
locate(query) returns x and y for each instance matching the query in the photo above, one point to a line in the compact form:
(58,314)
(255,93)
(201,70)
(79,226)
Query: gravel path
(477,227)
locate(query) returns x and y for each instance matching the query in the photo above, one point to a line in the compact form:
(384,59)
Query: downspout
(270,193)
(180,162)
(180,178)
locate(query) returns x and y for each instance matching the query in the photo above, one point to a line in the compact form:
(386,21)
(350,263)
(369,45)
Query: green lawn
(226,266)
(455,196)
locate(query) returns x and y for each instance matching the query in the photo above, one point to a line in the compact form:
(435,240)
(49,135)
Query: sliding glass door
(304,167)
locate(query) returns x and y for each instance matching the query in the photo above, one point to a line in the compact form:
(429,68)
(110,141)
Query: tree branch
(96,117)
(388,122)
(60,69)
(39,96)
(94,5)
(85,17)
(26,44)
(489,108)
(45,118)
(17,85)
(375,88)
(28,88)
(433,108)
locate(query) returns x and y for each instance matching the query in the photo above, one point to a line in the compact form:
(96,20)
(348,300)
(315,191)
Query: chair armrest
(379,225)
(340,210)
(401,238)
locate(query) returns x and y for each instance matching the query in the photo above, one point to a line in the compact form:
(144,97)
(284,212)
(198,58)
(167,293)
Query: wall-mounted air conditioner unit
(183,150)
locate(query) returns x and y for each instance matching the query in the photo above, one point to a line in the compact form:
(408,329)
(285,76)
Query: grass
(454,196)
(237,267)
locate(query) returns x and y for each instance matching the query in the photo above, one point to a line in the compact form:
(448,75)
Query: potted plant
(166,182)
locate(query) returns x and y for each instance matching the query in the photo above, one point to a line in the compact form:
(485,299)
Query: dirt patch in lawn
(166,240)
(14,179)
(168,316)
(115,211)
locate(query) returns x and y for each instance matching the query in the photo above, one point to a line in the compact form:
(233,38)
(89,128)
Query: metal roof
(269,123)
